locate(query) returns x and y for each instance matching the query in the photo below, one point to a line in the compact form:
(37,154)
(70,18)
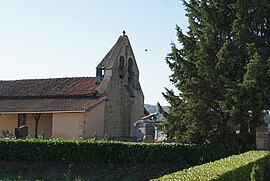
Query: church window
(130,72)
(99,74)
(121,67)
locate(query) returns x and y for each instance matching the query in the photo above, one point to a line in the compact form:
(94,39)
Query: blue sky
(68,38)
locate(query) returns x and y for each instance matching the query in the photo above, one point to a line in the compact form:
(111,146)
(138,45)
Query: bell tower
(118,76)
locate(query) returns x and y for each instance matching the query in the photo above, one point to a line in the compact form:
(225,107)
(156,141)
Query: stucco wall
(8,122)
(95,121)
(75,125)
(68,125)
(45,124)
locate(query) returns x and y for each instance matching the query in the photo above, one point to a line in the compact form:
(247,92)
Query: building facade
(107,104)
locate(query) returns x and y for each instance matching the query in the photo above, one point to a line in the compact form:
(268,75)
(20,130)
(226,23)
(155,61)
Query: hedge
(253,165)
(110,151)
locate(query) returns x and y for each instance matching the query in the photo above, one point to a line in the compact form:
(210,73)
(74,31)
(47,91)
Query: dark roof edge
(46,112)
(49,78)
(53,96)
(105,98)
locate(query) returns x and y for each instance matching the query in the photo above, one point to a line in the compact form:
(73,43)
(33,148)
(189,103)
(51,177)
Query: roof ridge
(45,78)
(55,87)
(60,96)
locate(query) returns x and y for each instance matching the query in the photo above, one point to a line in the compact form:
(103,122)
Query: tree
(221,71)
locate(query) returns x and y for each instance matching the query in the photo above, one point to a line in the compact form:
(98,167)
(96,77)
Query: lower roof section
(49,105)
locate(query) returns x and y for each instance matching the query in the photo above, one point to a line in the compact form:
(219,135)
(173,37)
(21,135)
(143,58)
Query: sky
(68,38)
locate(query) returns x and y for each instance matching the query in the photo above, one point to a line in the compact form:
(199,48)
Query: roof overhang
(49,105)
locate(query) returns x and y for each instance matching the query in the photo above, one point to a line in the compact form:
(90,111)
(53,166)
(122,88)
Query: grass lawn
(11,170)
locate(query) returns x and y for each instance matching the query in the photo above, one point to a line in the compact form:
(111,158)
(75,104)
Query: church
(106,105)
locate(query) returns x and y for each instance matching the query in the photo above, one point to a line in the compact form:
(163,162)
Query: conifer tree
(222,71)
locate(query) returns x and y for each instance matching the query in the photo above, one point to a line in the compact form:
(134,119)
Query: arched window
(121,67)
(130,67)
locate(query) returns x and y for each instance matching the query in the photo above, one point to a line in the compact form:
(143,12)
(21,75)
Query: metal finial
(124,33)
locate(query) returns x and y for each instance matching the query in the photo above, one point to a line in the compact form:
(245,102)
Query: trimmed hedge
(111,151)
(251,165)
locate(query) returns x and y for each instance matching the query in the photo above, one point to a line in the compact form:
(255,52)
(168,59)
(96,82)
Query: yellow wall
(95,121)
(61,125)
(45,124)
(75,125)
(67,125)
(8,122)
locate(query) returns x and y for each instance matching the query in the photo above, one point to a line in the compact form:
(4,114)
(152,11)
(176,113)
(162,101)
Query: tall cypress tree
(221,71)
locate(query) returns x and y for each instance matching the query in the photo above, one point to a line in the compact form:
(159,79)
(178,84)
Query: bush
(236,167)
(111,151)
(256,173)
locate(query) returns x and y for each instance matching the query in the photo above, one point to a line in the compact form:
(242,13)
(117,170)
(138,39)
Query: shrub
(256,173)
(111,151)
(236,167)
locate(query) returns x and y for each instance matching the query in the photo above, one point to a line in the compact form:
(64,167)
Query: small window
(121,67)
(126,49)
(99,74)
(130,67)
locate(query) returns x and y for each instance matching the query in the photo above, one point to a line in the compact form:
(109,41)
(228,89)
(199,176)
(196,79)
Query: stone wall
(262,138)
(125,103)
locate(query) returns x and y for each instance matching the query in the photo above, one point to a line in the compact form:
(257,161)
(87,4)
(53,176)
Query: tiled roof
(49,95)
(56,87)
(39,105)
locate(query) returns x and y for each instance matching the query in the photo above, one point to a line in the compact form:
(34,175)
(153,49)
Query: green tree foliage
(222,71)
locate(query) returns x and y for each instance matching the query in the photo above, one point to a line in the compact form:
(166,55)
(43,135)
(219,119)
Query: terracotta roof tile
(57,87)
(49,95)
(48,105)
